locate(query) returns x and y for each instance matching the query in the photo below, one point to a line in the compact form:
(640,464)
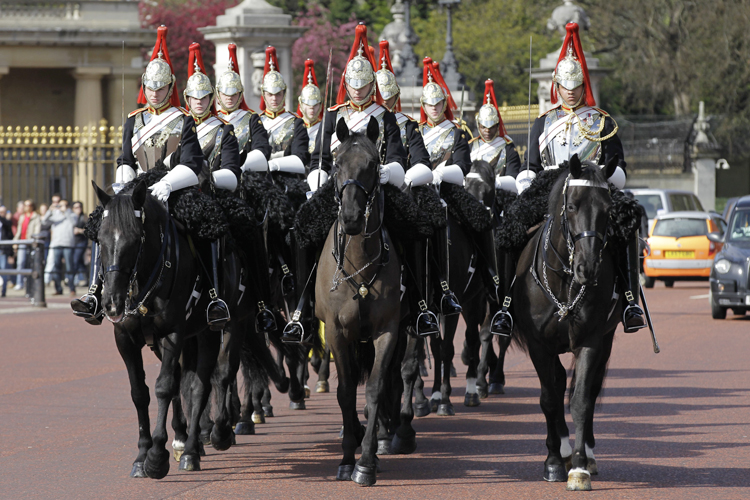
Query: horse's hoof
(178,447)
(138,470)
(592,467)
(268,411)
(307,392)
(578,480)
(245,428)
(258,418)
(321,386)
(190,463)
(219,443)
(364,476)
(422,409)
(205,437)
(471,400)
(555,473)
(297,405)
(446,410)
(403,446)
(384,447)
(482,391)
(434,404)
(497,388)
(201,450)
(344,473)
(158,470)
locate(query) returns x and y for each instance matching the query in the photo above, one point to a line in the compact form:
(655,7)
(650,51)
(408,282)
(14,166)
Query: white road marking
(700,296)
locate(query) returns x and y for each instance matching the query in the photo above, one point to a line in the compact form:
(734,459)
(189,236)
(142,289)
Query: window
(740,226)
(697,204)
(681,202)
(720,224)
(651,203)
(680,228)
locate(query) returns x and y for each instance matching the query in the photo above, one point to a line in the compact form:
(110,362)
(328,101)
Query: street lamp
(449,65)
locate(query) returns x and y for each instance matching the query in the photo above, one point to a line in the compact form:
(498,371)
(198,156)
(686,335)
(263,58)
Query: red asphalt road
(670,426)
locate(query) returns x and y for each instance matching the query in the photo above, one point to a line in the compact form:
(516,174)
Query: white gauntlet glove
(179,177)
(451,174)
(418,175)
(506,183)
(316,178)
(123,175)
(392,173)
(618,178)
(290,164)
(523,180)
(255,162)
(225,179)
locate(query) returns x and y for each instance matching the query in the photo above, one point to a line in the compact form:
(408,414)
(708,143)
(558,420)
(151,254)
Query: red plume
(385,56)
(196,55)
(450,103)
(234,66)
(572,39)
(489,98)
(270,58)
(360,38)
(426,70)
(161,46)
(309,74)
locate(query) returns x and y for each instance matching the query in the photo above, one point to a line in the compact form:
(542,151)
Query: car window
(740,226)
(697,204)
(651,203)
(681,202)
(720,224)
(680,228)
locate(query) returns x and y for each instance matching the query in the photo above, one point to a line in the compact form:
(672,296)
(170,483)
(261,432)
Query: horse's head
(357,164)
(583,204)
(120,245)
(480,182)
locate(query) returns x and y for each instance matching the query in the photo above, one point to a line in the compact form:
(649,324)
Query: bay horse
(151,294)
(565,300)
(357,293)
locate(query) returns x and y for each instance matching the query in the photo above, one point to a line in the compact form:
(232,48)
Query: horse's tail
(364,358)
(257,354)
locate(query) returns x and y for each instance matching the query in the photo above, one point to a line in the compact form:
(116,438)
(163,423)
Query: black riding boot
(448,302)
(632,316)
(265,321)
(294,331)
(427,323)
(217,312)
(502,321)
(89,306)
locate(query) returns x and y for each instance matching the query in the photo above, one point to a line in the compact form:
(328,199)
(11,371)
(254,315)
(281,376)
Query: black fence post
(37,275)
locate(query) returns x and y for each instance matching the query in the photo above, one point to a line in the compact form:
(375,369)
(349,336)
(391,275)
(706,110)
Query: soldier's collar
(272,114)
(312,123)
(201,119)
(363,106)
(430,123)
(159,110)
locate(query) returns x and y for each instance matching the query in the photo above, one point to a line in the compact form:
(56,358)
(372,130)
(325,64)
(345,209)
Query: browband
(584,183)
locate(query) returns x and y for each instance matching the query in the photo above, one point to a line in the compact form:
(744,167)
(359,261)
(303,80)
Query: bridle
(567,269)
(341,243)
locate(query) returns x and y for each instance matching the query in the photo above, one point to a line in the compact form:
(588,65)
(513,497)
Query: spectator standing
(81,243)
(29,224)
(44,236)
(17,215)
(62,243)
(6,233)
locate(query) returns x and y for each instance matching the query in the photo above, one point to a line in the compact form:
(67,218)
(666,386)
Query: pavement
(669,426)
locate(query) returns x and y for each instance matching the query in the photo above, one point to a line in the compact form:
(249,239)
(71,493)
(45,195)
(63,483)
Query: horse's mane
(590,171)
(122,214)
(360,141)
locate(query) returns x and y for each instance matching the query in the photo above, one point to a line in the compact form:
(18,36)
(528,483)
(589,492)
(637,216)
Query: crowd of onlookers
(60,226)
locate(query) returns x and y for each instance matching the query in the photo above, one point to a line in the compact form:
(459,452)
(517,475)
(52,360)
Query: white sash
(401,118)
(154,125)
(358,120)
(272,124)
(488,147)
(559,125)
(207,127)
(432,133)
(235,116)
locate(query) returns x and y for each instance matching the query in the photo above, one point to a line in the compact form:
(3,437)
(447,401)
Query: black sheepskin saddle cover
(282,195)
(203,216)
(524,211)
(468,211)
(405,219)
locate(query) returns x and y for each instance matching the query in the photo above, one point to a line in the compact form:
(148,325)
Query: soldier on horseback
(448,143)
(576,126)
(161,131)
(310,106)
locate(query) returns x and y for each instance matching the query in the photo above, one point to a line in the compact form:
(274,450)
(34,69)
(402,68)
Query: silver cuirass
(562,136)
(280,130)
(163,136)
(240,120)
(312,136)
(358,121)
(402,120)
(439,140)
(492,152)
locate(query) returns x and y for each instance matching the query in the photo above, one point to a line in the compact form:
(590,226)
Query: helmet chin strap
(233,108)
(164,103)
(565,104)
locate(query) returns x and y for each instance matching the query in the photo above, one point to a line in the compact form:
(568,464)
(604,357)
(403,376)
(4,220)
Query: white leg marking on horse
(178,445)
(579,470)
(565,449)
(471,385)
(436,395)
(589,452)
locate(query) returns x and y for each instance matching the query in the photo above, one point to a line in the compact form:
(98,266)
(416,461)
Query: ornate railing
(38,161)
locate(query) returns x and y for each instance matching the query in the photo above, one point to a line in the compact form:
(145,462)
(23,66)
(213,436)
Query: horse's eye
(571,207)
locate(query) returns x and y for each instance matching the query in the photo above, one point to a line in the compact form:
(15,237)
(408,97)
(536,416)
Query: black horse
(151,281)
(565,300)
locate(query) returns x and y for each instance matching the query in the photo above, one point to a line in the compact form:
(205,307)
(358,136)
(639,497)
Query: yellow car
(680,249)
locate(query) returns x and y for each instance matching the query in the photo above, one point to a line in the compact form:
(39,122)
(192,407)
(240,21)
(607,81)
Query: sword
(648,320)
(325,113)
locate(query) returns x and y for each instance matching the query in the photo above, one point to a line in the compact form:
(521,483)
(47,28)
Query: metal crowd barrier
(34,285)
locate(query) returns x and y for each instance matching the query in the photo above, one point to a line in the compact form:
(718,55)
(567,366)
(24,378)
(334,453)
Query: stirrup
(88,315)
(637,311)
(420,333)
(502,332)
(288,285)
(262,309)
(219,323)
(293,332)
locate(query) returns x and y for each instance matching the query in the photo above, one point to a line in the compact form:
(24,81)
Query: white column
(88,107)
(3,71)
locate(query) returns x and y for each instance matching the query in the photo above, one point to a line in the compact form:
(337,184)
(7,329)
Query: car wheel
(717,312)
(739,312)
(669,283)
(648,281)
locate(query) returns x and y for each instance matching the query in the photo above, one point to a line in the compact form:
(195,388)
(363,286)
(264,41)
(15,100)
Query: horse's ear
(342,130)
(139,195)
(373,130)
(575,166)
(610,167)
(104,198)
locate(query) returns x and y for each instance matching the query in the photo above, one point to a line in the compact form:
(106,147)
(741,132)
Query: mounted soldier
(162,132)
(310,105)
(575,126)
